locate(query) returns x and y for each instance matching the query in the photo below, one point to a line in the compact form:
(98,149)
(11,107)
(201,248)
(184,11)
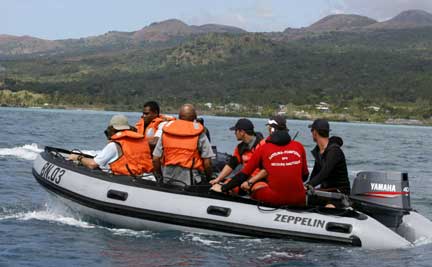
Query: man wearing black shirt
(330,169)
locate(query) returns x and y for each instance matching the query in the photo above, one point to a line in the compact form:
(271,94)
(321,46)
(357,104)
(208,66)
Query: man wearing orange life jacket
(127,152)
(250,141)
(183,150)
(151,123)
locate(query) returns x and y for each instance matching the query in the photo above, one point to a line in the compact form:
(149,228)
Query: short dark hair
(250,132)
(322,133)
(153,105)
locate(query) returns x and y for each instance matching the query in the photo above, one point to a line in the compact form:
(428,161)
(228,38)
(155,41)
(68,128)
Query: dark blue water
(35,230)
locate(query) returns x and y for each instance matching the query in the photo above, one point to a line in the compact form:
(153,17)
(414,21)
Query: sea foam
(27,152)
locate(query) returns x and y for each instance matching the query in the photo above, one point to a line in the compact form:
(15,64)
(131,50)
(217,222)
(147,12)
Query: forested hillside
(360,74)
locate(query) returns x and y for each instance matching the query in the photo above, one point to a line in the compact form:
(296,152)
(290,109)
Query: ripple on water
(34,234)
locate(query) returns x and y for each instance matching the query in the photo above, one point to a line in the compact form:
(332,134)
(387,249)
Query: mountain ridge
(162,31)
(172,31)
(341,22)
(405,20)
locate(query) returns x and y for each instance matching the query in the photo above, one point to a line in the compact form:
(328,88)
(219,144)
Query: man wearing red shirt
(286,165)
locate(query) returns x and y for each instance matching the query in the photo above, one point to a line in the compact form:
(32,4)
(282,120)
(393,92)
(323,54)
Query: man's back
(184,148)
(286,166)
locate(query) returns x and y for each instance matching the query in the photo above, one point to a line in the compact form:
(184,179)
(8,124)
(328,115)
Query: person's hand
(245,186)
(73,157)
(216,188)
(308,187)
(158,177)
(215,181)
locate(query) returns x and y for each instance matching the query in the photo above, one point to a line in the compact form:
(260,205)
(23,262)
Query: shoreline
(392,121)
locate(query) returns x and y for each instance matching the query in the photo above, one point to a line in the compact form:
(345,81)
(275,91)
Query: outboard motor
(385,196)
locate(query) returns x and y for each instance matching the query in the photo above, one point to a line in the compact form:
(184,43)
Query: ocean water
(36,230)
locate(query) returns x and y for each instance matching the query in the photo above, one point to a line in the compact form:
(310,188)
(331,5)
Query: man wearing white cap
(127,152)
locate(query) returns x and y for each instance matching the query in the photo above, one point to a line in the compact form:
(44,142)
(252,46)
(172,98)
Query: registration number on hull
(52,173)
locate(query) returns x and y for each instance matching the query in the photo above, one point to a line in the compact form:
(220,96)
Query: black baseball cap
(320,124)
(243,124)
(277,122)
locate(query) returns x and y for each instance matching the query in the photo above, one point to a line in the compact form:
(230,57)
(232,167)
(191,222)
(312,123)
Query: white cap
(119,122)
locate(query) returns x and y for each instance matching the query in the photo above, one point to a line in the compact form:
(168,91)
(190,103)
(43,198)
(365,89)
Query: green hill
(372,74)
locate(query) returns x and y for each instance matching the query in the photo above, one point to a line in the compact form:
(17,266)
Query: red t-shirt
(286,165)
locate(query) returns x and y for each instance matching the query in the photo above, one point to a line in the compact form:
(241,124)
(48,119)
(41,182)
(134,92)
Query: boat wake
(56,213)
(50,213)
(45,215)
(31,151)
(203,239)
(422,241)
(27,152)
(276,256)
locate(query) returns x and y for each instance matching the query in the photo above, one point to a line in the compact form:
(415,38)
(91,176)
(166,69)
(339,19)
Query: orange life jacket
(135,158)
(246,156)
(180,143)
(152,127)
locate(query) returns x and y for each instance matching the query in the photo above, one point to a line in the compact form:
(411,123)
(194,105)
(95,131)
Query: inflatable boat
(379,214)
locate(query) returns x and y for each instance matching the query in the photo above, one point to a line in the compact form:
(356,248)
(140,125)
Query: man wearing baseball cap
(284,161)
(250,141)
(330,169)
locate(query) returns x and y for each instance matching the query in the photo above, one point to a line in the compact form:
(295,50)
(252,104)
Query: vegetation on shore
(375,76)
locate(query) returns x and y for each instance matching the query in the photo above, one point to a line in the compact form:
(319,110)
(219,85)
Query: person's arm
(157,166)
(108,154)
(227,170)
(208,170)
(207,132)
(246,185)
(332,158)
(206,153)
(242,176)
(152,143)
(233,162)
(305,170)
(157,135)
(157,157)
(87,162)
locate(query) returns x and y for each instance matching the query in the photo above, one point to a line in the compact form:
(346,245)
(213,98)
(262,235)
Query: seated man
(250,141)
(330,169)
(184,150)
(151,123)
(127,152)
(286,165)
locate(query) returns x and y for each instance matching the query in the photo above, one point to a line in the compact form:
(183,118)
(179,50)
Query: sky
(61,19)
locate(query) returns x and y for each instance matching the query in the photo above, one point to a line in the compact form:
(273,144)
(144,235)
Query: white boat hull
(142,205)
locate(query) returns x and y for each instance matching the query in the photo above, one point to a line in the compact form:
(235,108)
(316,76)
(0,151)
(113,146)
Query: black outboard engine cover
(384,196)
